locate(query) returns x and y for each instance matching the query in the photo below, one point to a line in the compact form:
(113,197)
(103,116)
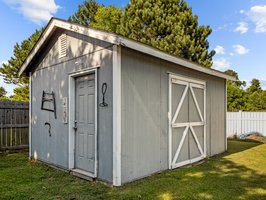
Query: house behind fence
(245,122)
(14,125)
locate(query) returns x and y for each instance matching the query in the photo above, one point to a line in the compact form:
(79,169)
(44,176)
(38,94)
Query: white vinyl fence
(245,122)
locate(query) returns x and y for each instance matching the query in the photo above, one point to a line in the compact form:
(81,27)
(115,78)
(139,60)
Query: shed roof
(115,39)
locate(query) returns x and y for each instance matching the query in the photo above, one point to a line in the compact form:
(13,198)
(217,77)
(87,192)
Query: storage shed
(114,109)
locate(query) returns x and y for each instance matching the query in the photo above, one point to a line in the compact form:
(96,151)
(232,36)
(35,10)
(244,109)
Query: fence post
(239,122)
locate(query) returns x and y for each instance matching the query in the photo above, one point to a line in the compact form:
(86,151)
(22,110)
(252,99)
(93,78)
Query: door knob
(75,125)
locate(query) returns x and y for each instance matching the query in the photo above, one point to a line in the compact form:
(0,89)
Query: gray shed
(114,109)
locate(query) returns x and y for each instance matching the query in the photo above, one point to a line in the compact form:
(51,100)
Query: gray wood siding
(51,74)
(145,110)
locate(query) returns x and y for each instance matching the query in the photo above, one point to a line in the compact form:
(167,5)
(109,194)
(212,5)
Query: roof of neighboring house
(115,39)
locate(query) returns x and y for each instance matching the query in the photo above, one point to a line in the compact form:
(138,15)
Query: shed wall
(145,110)
(51,74)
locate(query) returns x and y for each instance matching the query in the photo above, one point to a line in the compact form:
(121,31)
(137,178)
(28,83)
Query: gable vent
(62,46)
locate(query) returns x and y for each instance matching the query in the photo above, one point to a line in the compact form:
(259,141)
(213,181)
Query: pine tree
(2,92)
(256,97)
(90,13)
(170,26)
(10,70)
(85,13)
(107,18)
(20,94)
(255,86)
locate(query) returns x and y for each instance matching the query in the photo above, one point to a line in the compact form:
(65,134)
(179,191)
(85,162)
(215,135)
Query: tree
(20,94)
(10,70)
(169,26)
(256,97)
(90,13)
(235,74)
(255,86)
(85,14)
(107,18)
(236,95)
(257,101)
(3,92)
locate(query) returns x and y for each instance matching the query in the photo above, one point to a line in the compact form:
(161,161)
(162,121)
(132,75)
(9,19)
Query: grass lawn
(238,174)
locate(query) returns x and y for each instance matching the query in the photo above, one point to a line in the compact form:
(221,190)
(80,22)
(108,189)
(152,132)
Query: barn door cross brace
(188,85)
(183,140)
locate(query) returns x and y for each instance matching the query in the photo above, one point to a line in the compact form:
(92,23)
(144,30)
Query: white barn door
(187,121)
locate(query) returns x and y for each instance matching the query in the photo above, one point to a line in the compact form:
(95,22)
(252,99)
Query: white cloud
(242,27)
(219,50)
(258,15)
(221,64)
(240,50)
(37,11)
(242,11)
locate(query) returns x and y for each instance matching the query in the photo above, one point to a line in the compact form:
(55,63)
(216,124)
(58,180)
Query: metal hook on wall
(49,128)
(104,89)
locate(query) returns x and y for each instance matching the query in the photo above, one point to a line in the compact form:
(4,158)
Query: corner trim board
(30,114)
(117,115)
(170,122)
(225,116)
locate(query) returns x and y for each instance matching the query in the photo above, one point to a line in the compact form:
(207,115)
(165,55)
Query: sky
(238,36)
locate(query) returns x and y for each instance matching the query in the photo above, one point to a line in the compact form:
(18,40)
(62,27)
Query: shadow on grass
(235,146)
(220,177)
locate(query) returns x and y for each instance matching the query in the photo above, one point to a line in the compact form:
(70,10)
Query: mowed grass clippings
(239,173)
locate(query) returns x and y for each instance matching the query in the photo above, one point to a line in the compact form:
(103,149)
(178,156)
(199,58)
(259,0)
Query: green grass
(238,174)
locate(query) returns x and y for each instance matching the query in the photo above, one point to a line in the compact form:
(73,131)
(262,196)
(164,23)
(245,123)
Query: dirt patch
(256,137)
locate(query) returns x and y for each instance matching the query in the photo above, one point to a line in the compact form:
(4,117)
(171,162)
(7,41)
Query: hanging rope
(104,89)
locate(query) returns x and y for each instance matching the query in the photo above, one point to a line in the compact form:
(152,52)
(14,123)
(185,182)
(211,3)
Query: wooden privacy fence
(14,125)
(245,122)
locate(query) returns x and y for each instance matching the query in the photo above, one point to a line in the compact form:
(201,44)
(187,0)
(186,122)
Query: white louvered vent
(62,46)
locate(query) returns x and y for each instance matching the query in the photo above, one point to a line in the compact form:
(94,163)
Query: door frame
(189,81)
(71,117)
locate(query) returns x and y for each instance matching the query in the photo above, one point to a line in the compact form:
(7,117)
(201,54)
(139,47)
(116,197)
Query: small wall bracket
(49,128)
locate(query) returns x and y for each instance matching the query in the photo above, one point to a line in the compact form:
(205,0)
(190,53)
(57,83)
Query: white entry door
(85,124)
(187,121)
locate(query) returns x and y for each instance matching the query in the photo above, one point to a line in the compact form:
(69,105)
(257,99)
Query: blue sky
(239,29)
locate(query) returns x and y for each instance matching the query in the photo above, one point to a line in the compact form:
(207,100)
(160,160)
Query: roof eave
(112,38)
